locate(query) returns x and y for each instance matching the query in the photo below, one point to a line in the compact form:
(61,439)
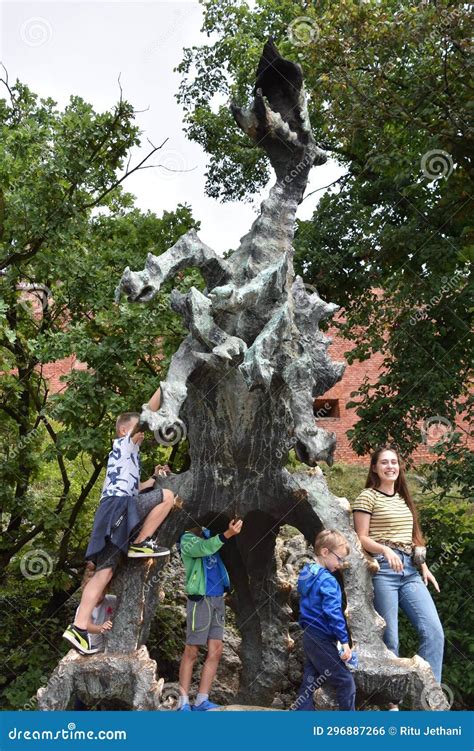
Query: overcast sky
(64,48)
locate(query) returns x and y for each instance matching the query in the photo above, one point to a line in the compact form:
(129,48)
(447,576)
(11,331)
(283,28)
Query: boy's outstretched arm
(198,547)
(155,402)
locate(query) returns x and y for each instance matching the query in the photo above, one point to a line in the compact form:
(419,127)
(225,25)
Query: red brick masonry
(334,402)
(342,419)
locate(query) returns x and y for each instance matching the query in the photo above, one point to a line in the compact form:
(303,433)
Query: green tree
(67,232)
(390,101)
(450,530)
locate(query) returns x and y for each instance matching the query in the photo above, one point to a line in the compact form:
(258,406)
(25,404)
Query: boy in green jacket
(207,581)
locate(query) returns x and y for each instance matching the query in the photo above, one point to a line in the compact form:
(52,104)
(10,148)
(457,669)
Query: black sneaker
(80,640)
(146,549)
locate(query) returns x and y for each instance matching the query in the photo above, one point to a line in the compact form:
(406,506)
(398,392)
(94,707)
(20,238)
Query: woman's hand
(393,560)
(428,576)
(106,626)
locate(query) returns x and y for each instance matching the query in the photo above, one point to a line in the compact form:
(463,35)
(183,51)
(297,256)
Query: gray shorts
(109,557)
(205,619)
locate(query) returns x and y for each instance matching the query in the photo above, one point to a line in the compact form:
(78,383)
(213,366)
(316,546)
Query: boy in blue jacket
(322,621)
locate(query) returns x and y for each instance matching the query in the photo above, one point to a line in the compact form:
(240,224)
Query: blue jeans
(323,665)
(407,590)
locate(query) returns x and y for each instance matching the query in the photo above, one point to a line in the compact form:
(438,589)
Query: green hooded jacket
(193,549)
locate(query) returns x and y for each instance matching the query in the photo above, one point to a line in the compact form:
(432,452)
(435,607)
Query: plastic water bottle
(354,661)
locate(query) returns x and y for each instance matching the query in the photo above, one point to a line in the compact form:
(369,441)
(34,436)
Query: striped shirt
(390,517)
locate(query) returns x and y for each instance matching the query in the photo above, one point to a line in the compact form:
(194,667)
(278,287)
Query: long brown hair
(401,487)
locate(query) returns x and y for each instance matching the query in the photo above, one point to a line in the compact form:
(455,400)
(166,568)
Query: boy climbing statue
(125,521)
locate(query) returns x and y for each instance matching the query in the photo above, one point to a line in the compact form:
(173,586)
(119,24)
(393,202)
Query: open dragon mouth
(144,296)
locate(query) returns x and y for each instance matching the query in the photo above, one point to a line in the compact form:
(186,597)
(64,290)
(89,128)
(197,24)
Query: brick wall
(339,395)
(53,371)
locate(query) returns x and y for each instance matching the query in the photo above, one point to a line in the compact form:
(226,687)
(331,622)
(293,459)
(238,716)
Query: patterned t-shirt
(390,517)
(123,468)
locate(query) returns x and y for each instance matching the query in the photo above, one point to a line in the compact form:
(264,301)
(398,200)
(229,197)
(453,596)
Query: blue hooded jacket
(321,602)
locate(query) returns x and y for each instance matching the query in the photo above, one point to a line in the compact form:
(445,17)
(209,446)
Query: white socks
(184,699)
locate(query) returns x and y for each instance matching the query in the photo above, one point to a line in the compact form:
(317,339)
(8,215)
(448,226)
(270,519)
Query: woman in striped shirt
(386,522)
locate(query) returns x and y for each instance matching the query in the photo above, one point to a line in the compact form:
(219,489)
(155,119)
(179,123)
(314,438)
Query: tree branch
(124,177)
(7,85)
(9,411)
(86,489)
(339,179)
(32,249)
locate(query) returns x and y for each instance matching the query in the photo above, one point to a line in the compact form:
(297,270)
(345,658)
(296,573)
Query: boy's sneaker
(204,706)
(185,708)
(80,640)
(146,549)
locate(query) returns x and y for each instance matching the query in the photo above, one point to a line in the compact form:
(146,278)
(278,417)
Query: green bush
(31,644)
(449,528)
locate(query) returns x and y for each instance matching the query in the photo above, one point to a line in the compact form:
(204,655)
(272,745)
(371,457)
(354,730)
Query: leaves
(62,262)
(390,100)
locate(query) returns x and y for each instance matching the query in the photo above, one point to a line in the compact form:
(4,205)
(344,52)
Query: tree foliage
(450,530)
(68,230)
(390,100)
